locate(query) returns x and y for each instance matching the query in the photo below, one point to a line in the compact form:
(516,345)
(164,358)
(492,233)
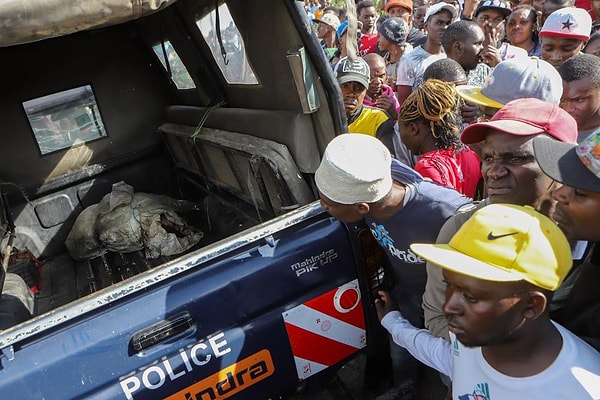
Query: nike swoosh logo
(491,235)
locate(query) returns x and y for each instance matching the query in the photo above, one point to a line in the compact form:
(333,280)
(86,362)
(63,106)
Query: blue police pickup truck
(161,234)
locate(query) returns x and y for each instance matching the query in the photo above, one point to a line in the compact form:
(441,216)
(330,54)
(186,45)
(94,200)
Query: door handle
(162,331)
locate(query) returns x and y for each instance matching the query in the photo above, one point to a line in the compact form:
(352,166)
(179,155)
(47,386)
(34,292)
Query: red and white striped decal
(326,329)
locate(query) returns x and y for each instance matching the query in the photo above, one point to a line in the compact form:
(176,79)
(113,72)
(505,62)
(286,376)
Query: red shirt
(368,44)
(459,170)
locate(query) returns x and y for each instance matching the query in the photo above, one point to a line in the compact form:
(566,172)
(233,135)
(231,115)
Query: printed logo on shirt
(381,235)
(481,392)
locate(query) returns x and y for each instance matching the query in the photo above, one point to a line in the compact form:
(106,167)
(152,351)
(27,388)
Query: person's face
(400,12)
(437,24)
(353,94)
(383,44)
(581,99)
(368,16)
(482,313)
(322,30)
(407,135)
(557,50)
(346,213)
(420,17)
(520,26)
(378,77)
(490,17)
(509,169)
(596,9)
(593,48)
(472,46)
(577,213)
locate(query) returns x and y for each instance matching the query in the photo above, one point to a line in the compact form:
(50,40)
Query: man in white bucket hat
(357,179)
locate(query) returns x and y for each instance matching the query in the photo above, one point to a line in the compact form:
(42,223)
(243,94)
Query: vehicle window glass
(179,74)
(231,57)
(65,119)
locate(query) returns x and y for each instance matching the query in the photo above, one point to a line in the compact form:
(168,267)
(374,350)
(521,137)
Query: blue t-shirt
(426,208)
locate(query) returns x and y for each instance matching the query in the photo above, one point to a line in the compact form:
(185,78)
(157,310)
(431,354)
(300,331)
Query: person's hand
(387,104)
(469,112)
(490,55)
(469,8)
(490,35)
(384,304)
(545,203)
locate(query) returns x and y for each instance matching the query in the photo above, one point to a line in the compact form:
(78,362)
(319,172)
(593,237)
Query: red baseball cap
(524,117)
(406,4)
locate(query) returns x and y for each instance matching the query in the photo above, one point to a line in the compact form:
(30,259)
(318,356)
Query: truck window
(228,48)
(65,119)
(173,65)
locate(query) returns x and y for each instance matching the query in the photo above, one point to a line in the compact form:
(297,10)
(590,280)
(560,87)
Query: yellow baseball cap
(505,243)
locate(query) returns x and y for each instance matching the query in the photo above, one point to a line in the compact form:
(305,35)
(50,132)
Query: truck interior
(211,102)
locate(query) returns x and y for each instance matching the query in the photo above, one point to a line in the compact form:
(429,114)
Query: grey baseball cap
(353,71)
(516,78)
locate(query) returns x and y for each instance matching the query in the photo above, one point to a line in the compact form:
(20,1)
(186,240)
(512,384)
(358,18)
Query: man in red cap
(404,9)
(511,175)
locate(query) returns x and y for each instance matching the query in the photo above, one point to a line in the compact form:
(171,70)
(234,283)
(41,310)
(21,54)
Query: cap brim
(475,133)
(448,258)
(326,23)
(473,94)
(505,11)
(353,78)
(448,7)
(560,162)
(585,38)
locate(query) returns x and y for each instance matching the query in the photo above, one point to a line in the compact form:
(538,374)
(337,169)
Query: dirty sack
(124,221)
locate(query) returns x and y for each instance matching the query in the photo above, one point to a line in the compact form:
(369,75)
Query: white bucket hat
(356,168)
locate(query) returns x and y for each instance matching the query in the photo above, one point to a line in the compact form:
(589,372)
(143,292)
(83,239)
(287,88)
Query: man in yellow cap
(501,269)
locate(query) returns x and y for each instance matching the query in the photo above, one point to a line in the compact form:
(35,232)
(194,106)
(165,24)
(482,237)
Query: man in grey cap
(576,303)
(513,79)
(353,77)
(392,42)
(327,31)
(357,179)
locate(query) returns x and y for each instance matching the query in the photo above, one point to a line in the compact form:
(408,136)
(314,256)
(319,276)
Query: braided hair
(435,102)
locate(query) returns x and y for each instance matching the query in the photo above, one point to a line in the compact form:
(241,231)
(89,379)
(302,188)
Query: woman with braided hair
(429,123)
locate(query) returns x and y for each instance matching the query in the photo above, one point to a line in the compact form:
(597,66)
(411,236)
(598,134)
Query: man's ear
(458,47)
(536,305)
(363,208)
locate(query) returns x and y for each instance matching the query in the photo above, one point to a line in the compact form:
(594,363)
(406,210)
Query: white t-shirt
(412,66)
(575,374)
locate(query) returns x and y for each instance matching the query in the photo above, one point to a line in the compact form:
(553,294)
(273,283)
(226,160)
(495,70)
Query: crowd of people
(473,155)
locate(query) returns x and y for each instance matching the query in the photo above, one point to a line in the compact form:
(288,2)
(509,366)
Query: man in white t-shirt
(501,269)
(413,64)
